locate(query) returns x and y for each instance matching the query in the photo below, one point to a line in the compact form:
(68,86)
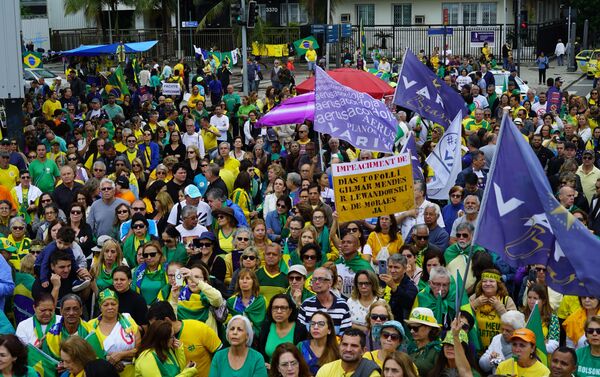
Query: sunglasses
(309,257)
(138,209)
(47,201)
(72,158)
(540,269)
(379,317)
(352,230)
(25,177)
(204,244)
(389,335)
(122,211)
(75,212)
(414,328)
(422,238)
(243,239)
(462,235)
(592,331)
(149,255)
(248,257)
(138,226)
(18,227)
(106,188)
(295,278)
(465,326)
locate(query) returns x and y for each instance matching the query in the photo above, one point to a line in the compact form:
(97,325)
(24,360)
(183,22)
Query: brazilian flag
(382,75)
(117,84)
(534,323)
(32,59)
(43,364)
(302,45)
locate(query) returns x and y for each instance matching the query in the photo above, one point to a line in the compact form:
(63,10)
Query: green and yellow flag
(32,59)
(302,45)
(43,364)
(534,323)
(117,84)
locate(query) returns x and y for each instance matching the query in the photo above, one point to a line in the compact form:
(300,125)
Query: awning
(95,50)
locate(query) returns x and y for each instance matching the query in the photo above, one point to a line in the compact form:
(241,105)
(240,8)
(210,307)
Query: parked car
(592,63)
(30,74)
(582,59)
(501,80)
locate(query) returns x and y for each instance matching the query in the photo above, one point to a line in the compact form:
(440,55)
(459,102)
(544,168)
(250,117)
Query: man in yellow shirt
(473,125)
(9,174)
(209,134)
(199,341)
(311,58)
(50,105)
(229,163)
(195,97)
(352,348)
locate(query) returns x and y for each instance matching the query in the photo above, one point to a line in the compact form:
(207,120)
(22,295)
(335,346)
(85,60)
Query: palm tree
(92,11)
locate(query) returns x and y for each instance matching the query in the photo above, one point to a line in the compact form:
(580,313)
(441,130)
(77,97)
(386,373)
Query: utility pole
(178,32)
(518,32)
(244,50)
(110,37)
(326,42)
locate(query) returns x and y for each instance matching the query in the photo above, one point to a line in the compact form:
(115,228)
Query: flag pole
(400,73)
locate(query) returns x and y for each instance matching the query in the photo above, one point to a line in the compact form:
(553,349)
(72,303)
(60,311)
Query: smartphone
(532,276)
(178,278)
(382,264)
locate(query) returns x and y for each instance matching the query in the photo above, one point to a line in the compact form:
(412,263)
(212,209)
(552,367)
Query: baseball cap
(100,243)
(95,100)
(559,79)
(192,191)
(570,145)
(299,269)
(587,151)
(123,182)
(207,236)
(462,335)
(5,141)
(518,121)
(525,335)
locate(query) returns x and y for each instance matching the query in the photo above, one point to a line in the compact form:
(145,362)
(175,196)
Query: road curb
(575,82)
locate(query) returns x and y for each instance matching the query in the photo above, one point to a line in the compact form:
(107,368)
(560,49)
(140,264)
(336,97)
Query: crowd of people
(149,235)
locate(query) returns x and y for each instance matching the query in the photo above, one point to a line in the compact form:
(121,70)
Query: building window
(471,13)
(366,13)
(453,12)
(488,13)
(262,11)
(401,14)
(297,14)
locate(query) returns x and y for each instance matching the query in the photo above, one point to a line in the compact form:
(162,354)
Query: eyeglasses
(318,279)
(588,157)
(289,364)
(243,239)
(203,165)
(281,206)
(295,278)
(422,238)
(47,201)
(352,230)
(138,209)
(592,331)
(137,165)
(99,170)
(149,255)
(456,196)
(280,308)
(25,177)
(138,226)
(106,188)
(161,172)
(219,217)
(379,317)
(389,335)
(72,158)
(364,283)
(18,227)
(248,257)
(122,211)
(540,269)
(191,152)
(414,328)
(75,212)
(320,324)
(36,251)
(204,244)
(309,257)
(462,235)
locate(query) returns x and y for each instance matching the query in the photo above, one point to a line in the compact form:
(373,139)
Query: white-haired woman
(238,359)
(500,347)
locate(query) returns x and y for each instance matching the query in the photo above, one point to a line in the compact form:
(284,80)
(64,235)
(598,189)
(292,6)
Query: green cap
(449,338)
(5,244)
(107,294)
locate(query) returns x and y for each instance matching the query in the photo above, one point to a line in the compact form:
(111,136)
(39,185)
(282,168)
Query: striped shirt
(339,312)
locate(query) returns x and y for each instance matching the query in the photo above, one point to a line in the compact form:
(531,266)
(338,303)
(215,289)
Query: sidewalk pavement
(530,75)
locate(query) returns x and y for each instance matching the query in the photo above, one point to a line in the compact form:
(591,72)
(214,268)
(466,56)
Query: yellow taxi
(587,61)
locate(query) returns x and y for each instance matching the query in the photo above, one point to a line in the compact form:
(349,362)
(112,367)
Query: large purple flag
(521,221)
(353,116)
(420,90)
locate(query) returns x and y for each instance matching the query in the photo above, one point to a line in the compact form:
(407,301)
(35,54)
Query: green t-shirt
(244,110)
(254,365)
(176,255)
(230,101)
(270,285)
(43,174)
(273,340)
(588,365)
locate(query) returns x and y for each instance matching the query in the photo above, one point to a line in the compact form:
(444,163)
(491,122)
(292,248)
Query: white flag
(445,160)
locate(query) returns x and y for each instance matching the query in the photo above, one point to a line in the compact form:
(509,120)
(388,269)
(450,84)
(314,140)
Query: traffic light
(235,10)
(524,23)
(252,13)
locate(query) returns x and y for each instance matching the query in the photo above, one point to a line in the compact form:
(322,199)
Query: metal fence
(393,40)
(224,38)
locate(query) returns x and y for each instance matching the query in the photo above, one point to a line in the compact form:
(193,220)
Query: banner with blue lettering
(353,116)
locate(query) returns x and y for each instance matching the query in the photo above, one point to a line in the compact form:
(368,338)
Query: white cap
(298,268)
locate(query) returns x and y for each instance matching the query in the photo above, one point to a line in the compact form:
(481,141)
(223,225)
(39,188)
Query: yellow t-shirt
(49,107)
(311,55)
(378,241)
(9,176)
(374,356)
(194,99)
(538,369)
(334,369)
(209,138)
(200,342)
(233,165)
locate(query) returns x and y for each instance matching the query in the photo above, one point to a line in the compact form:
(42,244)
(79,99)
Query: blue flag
(411,147)
(353,116)
(521,221)
(420,90)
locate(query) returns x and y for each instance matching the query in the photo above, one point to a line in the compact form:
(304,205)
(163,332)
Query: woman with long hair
(385,238)
(173,249)
(241,195)
(321,347)
(122,215)
(412,270)
(247,300)
(150,276)
(575,323)
(161,354)
(261,241)
(13,357)
(455,358)
(398,364)
(140,235)
(141,176)
(83,231)
(587,357)
(279,189)
(75,354)
(193,161)
(379,312)
(129,300)
(538,293)
(175,147)
(288,362)
(431,259)
(365,292)
(109,258)
(162,208)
